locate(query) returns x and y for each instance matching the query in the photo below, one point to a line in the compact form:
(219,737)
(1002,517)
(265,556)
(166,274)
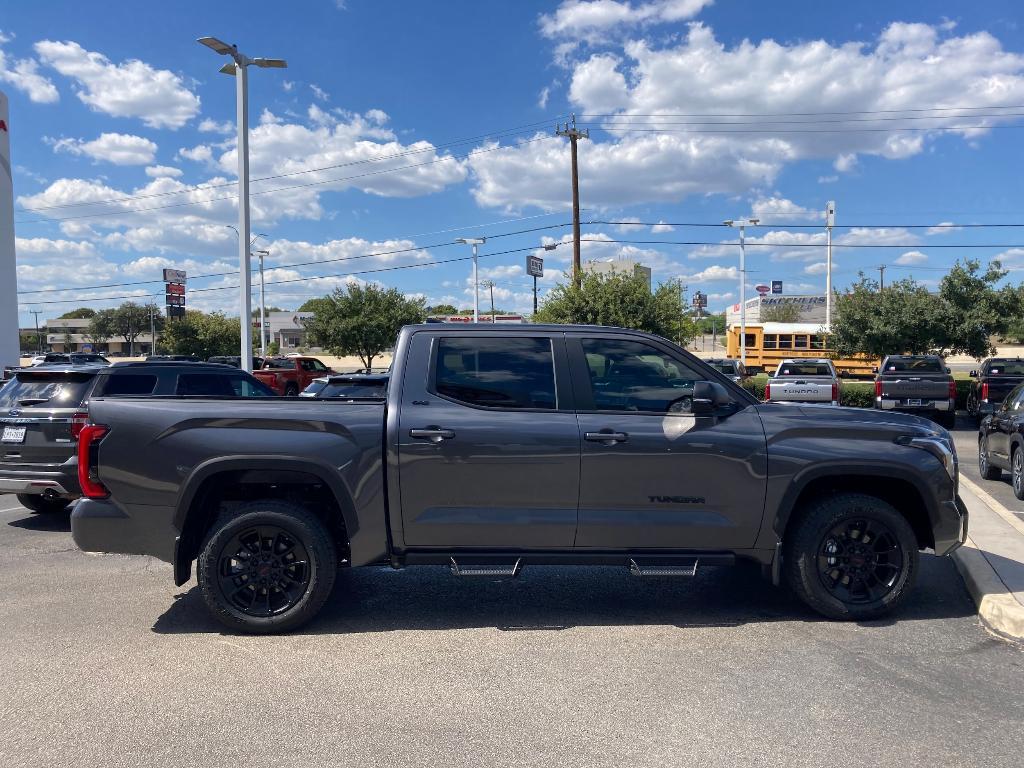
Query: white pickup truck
(804,380)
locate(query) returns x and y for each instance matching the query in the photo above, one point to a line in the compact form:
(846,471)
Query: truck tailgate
(915,387)
(805,390)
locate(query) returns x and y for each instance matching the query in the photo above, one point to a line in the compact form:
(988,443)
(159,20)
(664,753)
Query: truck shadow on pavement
(544,598)
(59,522)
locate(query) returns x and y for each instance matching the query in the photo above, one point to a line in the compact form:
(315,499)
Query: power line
(808,114)
(889,129)
(631,122)
(804,226)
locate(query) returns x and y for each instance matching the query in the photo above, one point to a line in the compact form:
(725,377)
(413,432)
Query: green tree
(976,310)
(783,312)
(67,340)
(131,320)
(100,327)
(619,300)
(82,313)
(442,309)
(203,335)
(28,341)
(904,317)
(361,320)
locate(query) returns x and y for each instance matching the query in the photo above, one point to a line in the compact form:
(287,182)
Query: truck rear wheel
(851,556)
(291,390)
(266,566)
(43,506)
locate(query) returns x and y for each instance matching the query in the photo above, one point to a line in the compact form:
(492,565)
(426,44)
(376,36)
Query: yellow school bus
(768,344)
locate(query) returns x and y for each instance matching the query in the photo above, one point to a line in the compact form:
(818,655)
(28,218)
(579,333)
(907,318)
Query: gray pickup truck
(919,384)
(804,380)
(497,448)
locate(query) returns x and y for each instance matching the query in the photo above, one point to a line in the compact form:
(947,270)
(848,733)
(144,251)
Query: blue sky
(902,113)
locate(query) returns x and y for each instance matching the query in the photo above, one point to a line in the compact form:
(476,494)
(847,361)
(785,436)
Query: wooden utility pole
(569,129)
(881,277)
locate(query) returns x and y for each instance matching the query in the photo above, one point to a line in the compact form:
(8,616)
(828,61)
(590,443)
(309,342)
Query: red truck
(290,375)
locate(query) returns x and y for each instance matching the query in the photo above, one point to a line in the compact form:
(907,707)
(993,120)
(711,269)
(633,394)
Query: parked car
(235,360)
(500,448)
(1001,441)
(70,358)
(804,380)
(290,375)
(734,369)
(173,359)
(42,412)
(996,377)
(920,384)
(348,386)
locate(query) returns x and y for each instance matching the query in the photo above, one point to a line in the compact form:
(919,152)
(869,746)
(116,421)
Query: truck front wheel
(266,566)
(851,556)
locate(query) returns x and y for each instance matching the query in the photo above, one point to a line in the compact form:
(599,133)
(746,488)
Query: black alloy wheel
(263,571)
(1017,473)
(860,561)
(985,468)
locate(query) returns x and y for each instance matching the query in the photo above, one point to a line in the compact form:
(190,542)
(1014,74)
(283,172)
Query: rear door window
(128,384)
(1007,368)
(496,372)
(204,385)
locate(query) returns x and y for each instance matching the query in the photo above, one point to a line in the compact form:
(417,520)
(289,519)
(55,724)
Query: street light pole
(743,224)
(240,70)
(830,220)
(263,306)
(474,241)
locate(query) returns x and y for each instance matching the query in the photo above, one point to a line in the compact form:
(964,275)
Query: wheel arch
(238,477)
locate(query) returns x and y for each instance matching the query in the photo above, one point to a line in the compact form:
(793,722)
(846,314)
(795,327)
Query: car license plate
(915,401)
(13,435)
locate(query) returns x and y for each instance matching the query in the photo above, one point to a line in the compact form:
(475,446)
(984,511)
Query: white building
(286,329)
(72,335)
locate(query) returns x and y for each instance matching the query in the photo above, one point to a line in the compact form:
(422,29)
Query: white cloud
(629,224)
(845,162)
(130,89)
(543,96)
(594,19)
(23,74)
(828,179)
(818,268)
(714,273)
(161,171)
(780,208)
(201,153)
(943,228)
(116,148)
(598,83)
(662,227)
(287,85)
(318,92)
(208,125)
(911,258)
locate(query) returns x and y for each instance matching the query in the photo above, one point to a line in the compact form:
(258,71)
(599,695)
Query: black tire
(41,506)
(1017,472)
(881,570)
(291,390)
(985,468)
(257,603)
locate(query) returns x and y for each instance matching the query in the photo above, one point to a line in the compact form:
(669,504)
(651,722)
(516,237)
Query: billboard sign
(762,289)
(174,276)
(700,299)
(535,266)
(776,286)
(175,289)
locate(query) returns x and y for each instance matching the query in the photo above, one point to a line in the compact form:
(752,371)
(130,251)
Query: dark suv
(43,410)
(734,369)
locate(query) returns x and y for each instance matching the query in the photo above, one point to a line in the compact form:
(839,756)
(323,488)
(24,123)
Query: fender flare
(323,471)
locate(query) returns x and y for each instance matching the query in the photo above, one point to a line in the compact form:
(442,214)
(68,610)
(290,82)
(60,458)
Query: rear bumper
(105,526)
(61,481)
(926,405)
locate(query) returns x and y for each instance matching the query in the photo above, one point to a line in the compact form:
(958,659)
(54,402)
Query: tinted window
(496,372)
(915,364)
(805,369)
(46,391)
(633,376)
(355,389)
(314,387)
(1006,368)
(128,384)
(204,384)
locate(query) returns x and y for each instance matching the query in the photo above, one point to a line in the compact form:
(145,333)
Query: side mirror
(707,396)
(948,369)
(973,374)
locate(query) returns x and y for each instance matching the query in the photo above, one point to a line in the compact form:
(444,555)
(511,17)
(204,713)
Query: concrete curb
(998,609)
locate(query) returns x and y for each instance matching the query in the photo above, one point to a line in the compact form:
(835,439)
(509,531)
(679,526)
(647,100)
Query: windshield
(915,364)
(354,389)
(1006,368)
(804,369)
(64,390)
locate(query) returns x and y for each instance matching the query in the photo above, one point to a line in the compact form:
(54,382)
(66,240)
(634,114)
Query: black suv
(43,410)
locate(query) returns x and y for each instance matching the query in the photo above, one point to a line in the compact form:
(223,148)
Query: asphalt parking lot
(107,663)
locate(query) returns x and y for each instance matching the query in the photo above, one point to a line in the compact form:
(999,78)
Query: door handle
(606,436)
(433,434)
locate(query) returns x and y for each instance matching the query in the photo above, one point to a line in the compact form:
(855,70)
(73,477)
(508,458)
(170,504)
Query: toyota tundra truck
(804,380)
(919,384)
(495,449)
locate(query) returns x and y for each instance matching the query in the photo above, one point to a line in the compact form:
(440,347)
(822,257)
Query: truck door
(652,474)
(488,444)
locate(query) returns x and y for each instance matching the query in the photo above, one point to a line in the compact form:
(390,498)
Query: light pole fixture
(475,242)
(742,224)
(830,221)
(239,69)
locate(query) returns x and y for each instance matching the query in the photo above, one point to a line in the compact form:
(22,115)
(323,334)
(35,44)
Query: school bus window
(771,341)
(799,341)
(817,341)
(751,340)
(785,341)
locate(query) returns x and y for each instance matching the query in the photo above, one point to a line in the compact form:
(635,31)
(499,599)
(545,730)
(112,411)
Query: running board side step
(687,567)
(487,570)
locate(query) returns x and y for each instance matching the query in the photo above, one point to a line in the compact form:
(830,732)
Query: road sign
(175,289)
(776,286)
(174,276)
(175,301)
(535,266)
(700,299)
(763,289)
(175,311)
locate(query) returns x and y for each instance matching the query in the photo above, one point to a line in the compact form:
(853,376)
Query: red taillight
(88,443)
(984,391)
(835,392)
(768,391)
(878,389)
(78,420)
(952,390)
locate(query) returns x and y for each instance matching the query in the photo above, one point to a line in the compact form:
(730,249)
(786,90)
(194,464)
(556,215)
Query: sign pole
(10,353)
